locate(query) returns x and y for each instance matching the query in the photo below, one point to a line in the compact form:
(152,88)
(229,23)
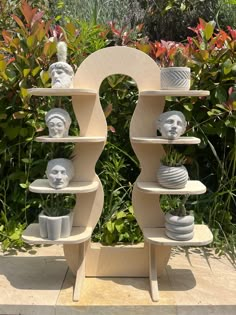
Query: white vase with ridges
(175,78)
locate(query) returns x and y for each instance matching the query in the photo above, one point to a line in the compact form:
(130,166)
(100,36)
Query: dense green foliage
(170,20)
(27,47)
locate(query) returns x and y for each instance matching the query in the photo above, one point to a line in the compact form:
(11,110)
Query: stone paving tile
(30,283)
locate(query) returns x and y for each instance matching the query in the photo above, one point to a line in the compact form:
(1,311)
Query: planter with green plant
(172,173)
(56,218)
(179,223)
(176,77)
(173,58)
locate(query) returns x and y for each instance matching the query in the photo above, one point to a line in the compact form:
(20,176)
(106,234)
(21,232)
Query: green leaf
(121,214)
(26,161)
(221,94)
(3,65)
(36,71)
(31,40)
(12,132)
(188,107)
(110,226)
(26,72)
(24,185)
(209,29)
(119,225)
(44,75)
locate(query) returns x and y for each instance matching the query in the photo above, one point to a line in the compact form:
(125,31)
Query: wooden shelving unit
(146,145)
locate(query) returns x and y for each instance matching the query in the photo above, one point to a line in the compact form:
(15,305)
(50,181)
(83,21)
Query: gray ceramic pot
(54,228)
(173,177)
(179,228)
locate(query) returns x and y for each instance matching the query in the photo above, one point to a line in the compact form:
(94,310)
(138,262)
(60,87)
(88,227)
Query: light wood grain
(78,235)
(60,92)
(193,187)
(175,93)
(202,236)
(70,139)
(41,186)
(161,140)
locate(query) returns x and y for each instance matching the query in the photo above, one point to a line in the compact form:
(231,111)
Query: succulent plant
(173,158)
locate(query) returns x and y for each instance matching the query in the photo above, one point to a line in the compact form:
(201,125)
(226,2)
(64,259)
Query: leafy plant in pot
(56,218)
(172,173)
(173,58)
(179,223)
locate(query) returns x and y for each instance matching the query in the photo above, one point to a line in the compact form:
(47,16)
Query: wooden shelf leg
(80,274)
(153,273)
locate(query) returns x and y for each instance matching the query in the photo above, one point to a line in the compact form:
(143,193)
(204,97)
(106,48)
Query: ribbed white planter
(179,228)
(175,78)
(173,177)
(54,228)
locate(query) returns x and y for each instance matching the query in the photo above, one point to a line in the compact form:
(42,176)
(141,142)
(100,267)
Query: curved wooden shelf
(175,93)
(78,235)
(70,139)
(41,186)
(202,236)
(161,140)
(60,92)
(193,187)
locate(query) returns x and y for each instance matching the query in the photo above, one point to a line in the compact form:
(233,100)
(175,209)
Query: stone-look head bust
(58,122)
(61,72)
(59,172)
(171,124)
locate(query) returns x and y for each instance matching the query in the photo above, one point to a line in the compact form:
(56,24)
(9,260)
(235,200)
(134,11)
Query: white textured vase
(175,78)
(179,228)
(174,177)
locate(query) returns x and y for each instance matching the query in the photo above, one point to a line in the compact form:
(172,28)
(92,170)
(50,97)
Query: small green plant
(175,205)
(173,158)
(180,59)
(55,205)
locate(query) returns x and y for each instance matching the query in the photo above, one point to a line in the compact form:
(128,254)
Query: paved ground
(38,282)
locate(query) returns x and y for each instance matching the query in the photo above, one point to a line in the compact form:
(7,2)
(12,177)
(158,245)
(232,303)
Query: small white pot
(175,78)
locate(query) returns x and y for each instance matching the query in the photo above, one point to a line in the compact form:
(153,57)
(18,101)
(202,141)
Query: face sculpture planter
(58,122)
(171,124)
(59,173)
(61,72)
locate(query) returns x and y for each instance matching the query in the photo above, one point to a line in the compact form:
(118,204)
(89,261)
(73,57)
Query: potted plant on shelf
(179,223)
(56,218)
(172,173)
(173,58)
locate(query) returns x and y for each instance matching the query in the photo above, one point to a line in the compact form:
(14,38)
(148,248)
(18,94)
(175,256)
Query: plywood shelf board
(202,236)
(193,187)
(161,140)
(70,139)
(60,92)
(78,235)
(175,93)
(42,186)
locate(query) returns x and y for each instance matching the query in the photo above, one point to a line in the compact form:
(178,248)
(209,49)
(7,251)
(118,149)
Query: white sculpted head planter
(59,172)
(58,122)
(171,124)
(61,72)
